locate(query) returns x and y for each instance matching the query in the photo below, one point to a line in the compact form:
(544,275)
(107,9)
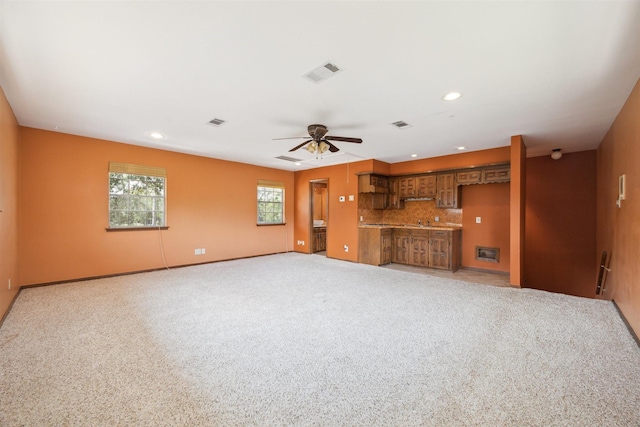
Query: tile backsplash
(414,210)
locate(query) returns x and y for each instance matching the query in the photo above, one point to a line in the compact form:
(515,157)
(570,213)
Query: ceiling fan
(320,141)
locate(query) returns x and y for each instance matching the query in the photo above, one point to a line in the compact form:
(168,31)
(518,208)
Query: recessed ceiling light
(297,163)
(156,135)
(452,96)
(462,148)
(414,155)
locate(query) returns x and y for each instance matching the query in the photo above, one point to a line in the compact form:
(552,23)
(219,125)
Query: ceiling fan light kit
(320,141)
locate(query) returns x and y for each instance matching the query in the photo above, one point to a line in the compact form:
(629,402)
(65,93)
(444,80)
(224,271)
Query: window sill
(269,225)
(164,227)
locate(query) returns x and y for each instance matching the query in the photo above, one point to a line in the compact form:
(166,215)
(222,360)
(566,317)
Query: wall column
(517,209)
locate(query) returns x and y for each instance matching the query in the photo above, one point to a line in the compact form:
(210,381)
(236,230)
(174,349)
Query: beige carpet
(303,340)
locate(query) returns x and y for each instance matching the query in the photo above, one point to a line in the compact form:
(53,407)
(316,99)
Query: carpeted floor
(294,339)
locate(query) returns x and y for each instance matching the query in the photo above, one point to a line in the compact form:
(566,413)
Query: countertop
(412,226)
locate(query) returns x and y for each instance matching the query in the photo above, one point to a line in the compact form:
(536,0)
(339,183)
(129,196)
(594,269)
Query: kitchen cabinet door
(386,245)
(401,243)
(447,191)
(420,249)
(407,187)
(439,250)
(426,186)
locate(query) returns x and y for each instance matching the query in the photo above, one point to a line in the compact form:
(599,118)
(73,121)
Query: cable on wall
(164,260)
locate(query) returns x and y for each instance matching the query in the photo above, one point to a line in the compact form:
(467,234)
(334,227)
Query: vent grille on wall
(322,72)
(487,254)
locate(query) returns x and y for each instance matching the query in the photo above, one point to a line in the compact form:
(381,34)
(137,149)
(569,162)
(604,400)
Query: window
(270,202)
(136,196)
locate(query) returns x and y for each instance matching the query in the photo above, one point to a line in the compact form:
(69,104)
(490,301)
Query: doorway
(319,191)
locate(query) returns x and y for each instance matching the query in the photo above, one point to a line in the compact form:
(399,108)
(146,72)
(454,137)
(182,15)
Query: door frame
(310,238)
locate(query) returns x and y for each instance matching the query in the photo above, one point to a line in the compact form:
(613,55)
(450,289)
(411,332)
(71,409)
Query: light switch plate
(478,220)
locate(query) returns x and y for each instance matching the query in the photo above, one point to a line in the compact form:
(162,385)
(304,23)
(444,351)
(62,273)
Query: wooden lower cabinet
(401,247)
(419,248)
(432,248)
(386,242)
(440,249)
(375,246)
(319,239)
(440,254)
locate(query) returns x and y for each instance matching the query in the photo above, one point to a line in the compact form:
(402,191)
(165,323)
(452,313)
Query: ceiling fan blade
(299,146)
(332,147)
(344,139)
(293,137)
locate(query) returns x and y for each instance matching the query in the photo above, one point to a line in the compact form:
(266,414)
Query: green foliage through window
(270,205)
(136,200)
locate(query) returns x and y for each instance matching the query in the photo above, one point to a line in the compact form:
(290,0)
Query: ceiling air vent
(401,125)
(288,159)
(322,72)
(216,122)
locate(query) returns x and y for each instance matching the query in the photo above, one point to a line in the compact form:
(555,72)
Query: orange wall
(618,229)
(561,223)
(211,204)
(342,224)
(460,160)
(490,202)
(9,141)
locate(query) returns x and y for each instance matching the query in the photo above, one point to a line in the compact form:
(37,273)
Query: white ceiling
(556,72)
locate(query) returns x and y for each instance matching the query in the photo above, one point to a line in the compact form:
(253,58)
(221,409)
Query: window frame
(274,185)
(145,172)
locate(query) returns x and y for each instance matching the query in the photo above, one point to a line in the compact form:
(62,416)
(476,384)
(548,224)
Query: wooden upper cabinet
(496,175)
(444,186)
(395,202)
(426,186)
(407,187)
(469,177)
(447,196)
(485,175)
(371,183)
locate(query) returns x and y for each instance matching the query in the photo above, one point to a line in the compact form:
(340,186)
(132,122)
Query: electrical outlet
(437,219)
(204,251)
(478,220)
(301,242)
(346,248)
